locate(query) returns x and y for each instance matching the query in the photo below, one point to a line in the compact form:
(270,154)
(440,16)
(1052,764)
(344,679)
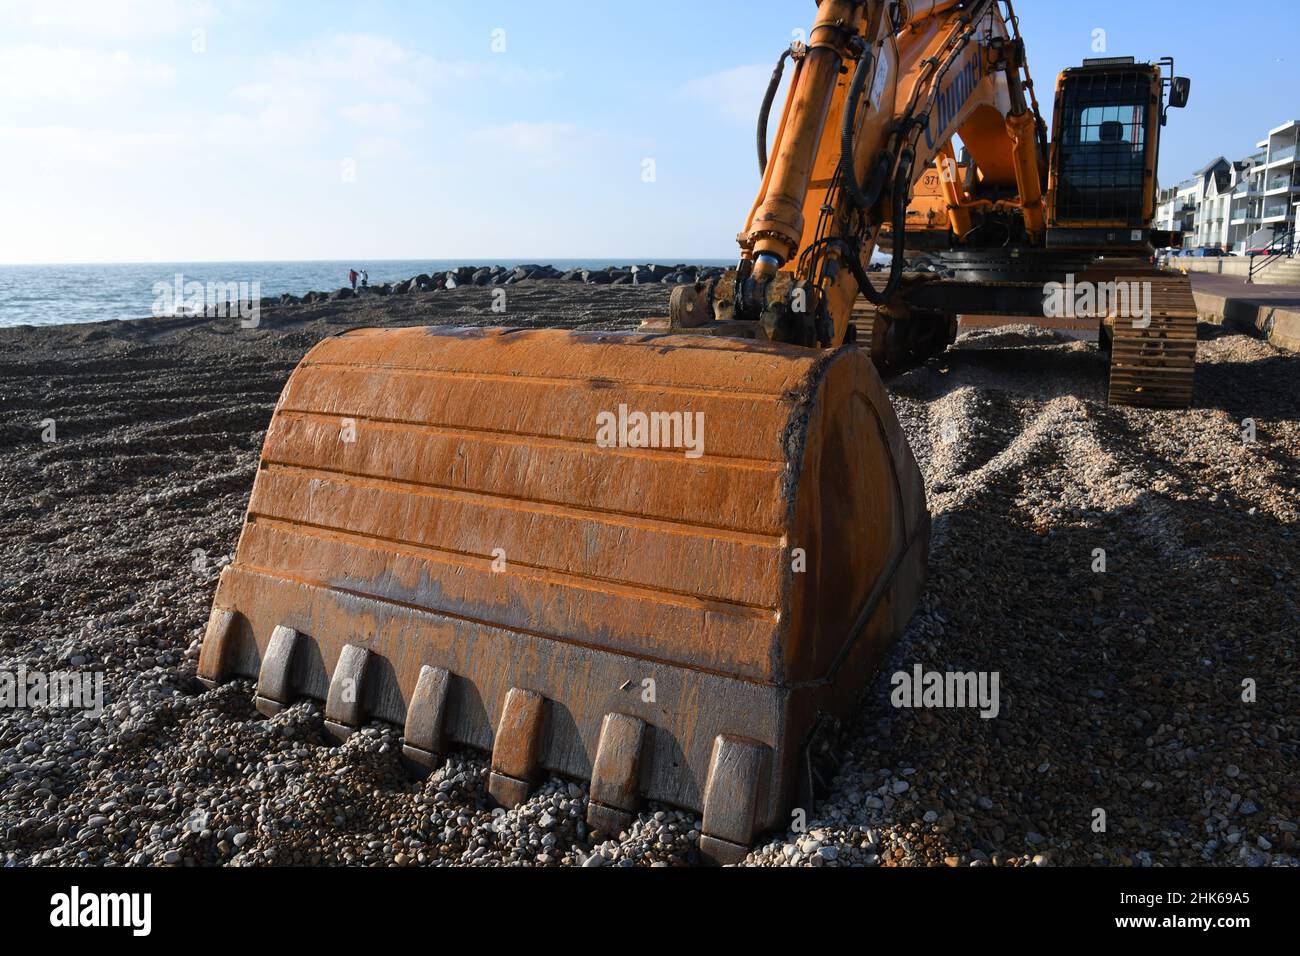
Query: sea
(56,294)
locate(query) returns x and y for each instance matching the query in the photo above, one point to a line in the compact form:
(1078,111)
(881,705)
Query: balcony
(1276,211)
(1278,155)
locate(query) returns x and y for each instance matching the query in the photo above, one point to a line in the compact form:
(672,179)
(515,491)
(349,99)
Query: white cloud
(369,81)
(534,141)
(33,75)
(381,147)
(67,144)
(355,64)
(298,95)
(109,17)
(383,115)
(736,93)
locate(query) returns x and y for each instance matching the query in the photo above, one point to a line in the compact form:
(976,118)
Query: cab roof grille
(1110,61)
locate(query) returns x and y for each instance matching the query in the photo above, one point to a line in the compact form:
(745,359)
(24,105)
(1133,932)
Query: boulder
(652,273)
(342,294)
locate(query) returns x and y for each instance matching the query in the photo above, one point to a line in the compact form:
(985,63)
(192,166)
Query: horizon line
(485,260)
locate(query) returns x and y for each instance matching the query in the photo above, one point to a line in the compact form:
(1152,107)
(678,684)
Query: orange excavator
(668,562)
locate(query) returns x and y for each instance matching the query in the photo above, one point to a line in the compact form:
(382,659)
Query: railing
(1285,152)
(1283,244)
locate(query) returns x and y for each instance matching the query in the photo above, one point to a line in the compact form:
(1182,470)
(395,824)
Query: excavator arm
(877,97)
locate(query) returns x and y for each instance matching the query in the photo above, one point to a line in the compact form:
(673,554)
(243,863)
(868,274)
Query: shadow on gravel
(1120,691)
(1265,388)
(1197,479)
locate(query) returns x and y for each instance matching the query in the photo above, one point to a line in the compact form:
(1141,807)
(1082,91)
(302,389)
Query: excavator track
(1155,366)
(864,324)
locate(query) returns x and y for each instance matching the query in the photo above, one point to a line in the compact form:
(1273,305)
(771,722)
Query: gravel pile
(1120,691)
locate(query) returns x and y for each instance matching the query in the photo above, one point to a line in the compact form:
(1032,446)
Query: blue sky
(166,130)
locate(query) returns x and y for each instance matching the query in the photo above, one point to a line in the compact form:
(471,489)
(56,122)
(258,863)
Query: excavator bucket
(653,562)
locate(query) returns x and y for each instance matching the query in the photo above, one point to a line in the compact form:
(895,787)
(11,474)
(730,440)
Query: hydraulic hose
(763,114)
(849,175)
(861,197)
(898,219)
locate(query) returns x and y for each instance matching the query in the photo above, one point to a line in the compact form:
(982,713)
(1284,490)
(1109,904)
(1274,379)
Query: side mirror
(1180,89)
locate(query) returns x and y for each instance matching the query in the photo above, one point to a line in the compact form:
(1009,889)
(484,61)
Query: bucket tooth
(731,798)
(425,714)
(218,647)
(343,710)
(615,793)
(275,678)
(516,748)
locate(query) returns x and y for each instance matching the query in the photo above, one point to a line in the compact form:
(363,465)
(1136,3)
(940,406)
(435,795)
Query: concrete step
(1279,273)
(1278,278)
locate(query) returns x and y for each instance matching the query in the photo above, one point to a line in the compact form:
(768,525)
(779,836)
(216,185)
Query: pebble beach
(1161,691)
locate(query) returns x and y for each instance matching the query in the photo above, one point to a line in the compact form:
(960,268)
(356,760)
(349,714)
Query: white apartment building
(1235,206)
(1236,224)
(1176,207)
(1277,181)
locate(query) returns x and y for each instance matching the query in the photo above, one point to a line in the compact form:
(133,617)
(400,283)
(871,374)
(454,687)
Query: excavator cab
(1105,150)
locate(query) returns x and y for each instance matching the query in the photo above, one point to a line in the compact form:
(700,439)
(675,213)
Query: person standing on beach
(352,277)
(365,279)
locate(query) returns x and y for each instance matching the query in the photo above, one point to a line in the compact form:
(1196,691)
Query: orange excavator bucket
(653,562)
